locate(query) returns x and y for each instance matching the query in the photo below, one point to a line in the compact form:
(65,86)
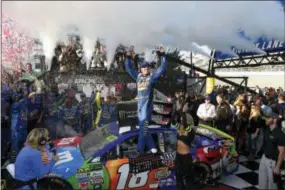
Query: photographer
(134,57)
(120,57)
(99,56)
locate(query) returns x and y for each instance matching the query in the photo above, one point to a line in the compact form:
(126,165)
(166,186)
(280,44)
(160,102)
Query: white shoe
(153,150)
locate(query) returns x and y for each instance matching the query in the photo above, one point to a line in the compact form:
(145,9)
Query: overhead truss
(277,58)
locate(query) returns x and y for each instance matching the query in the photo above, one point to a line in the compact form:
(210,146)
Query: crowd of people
(256,122)
(70,57)
(62,114)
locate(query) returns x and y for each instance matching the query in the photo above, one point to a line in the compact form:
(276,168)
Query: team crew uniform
(51,105)
(70,116)
(18,123)
(145,96)
(34,112)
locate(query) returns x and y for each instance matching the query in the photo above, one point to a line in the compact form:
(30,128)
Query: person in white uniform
(206,112)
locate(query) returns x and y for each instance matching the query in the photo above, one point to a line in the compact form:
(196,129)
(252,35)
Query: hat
(271,114)
(82,95)
(207,96)
(145,64)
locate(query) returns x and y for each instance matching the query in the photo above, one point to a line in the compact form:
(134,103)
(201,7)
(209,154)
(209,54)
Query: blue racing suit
(34,113)
(145,96)
(19,117)
(70,116)
(50,115)
(5,120)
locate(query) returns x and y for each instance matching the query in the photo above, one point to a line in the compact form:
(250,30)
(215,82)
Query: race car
(104,158)
(107,157)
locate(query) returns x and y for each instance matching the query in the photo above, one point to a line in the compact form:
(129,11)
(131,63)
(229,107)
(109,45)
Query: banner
(265,44)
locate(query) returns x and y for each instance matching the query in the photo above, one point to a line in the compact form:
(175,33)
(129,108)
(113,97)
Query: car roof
(117,130)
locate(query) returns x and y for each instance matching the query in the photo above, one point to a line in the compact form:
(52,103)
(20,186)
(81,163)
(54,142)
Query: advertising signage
(268,46)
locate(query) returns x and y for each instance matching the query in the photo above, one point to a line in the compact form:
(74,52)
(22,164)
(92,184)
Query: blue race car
(107,158)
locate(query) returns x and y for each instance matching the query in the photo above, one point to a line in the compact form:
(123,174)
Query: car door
(118,167)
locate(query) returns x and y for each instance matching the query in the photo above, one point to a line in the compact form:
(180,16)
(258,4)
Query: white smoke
(145,24)
(88,47)
(48,47)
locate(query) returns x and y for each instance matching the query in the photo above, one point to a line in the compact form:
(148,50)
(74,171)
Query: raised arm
(129,69)
(160,70)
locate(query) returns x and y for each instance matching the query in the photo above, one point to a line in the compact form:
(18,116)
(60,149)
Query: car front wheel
(50,183)
(202,173)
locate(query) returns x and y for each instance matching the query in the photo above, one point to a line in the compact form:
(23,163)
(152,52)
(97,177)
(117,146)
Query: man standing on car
(145,81)
(273,157)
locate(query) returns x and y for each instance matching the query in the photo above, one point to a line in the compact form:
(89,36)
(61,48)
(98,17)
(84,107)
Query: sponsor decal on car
(83,185)
(153,185)
(162,173)
(82,175)
(97,186)
(97,180)
(95,166)
(96,159)
(98,173)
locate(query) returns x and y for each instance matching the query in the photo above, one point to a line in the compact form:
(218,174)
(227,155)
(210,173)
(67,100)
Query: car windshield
(95,140)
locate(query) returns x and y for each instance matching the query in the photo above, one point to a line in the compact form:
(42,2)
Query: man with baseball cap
(274,154)
(206,111)
(145,81)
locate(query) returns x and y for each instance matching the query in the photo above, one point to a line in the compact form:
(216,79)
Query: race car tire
(49,183)
(202,172)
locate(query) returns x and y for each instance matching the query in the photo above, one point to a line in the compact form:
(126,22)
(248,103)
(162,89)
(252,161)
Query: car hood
(67,142)
(70,159)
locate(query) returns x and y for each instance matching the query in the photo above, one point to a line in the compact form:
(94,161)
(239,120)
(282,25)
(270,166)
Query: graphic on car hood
(70,159)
